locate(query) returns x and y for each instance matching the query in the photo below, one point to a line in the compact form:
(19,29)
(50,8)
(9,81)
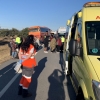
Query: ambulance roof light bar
(92,4)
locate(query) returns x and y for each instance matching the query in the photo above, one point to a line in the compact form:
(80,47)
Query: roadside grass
(4,50)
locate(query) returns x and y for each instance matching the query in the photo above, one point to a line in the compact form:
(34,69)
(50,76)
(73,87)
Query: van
(84,53)
(39,31)
(61,31)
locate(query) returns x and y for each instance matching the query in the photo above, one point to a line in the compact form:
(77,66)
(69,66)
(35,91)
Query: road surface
(48,81)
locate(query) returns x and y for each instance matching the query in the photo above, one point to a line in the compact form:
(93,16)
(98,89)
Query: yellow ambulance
(84,53)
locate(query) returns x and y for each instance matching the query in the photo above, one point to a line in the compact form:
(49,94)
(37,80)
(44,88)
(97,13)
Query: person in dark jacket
(46,42)
(13,48)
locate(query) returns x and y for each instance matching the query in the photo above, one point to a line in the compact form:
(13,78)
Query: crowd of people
(55,43)
(16,43)
(25,50)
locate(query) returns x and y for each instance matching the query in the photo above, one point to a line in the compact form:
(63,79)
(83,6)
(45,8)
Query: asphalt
(48,80)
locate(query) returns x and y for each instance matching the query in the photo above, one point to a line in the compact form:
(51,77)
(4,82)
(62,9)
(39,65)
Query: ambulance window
(79,33)
(79,37)
(73,31)
(93,37)
(80,29)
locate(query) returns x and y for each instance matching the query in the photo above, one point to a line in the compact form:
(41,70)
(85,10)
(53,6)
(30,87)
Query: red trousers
(25,82)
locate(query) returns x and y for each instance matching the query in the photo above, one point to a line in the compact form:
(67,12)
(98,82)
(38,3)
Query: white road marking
(8,85)
(7,71)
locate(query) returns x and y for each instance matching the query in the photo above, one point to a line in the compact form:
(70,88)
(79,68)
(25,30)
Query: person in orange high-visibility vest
(28,61)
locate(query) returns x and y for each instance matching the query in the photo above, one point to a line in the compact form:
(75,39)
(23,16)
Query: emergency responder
(62,40)
(18,41)
(27,59)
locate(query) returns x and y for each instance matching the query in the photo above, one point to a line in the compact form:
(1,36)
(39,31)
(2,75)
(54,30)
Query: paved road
(48,81)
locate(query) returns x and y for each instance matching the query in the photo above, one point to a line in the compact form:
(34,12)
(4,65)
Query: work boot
(20,90)
(25,93)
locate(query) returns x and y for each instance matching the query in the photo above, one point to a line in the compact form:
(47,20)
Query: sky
(53,14)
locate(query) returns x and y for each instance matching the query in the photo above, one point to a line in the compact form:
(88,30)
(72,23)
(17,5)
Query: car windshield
(33,30)
(93,37)
(44,29)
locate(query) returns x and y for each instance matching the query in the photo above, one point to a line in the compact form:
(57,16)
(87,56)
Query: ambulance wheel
(80,95)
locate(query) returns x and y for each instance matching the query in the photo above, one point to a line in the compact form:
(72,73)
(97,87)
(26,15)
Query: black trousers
(62,46)
(57,48)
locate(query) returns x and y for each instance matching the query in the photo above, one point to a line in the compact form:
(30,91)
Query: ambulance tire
(80,95)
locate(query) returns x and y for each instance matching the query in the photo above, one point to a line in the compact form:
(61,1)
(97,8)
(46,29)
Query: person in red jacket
(26,55)
(58,45)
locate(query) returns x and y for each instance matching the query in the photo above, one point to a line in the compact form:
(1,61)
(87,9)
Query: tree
(24,32)
(12,32)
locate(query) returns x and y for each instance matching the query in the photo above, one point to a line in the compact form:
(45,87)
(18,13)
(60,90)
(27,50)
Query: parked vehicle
(39,31)
(61,31)
(84,52)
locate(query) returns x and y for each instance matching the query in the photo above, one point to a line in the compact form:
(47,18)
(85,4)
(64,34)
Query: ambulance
(84,52)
